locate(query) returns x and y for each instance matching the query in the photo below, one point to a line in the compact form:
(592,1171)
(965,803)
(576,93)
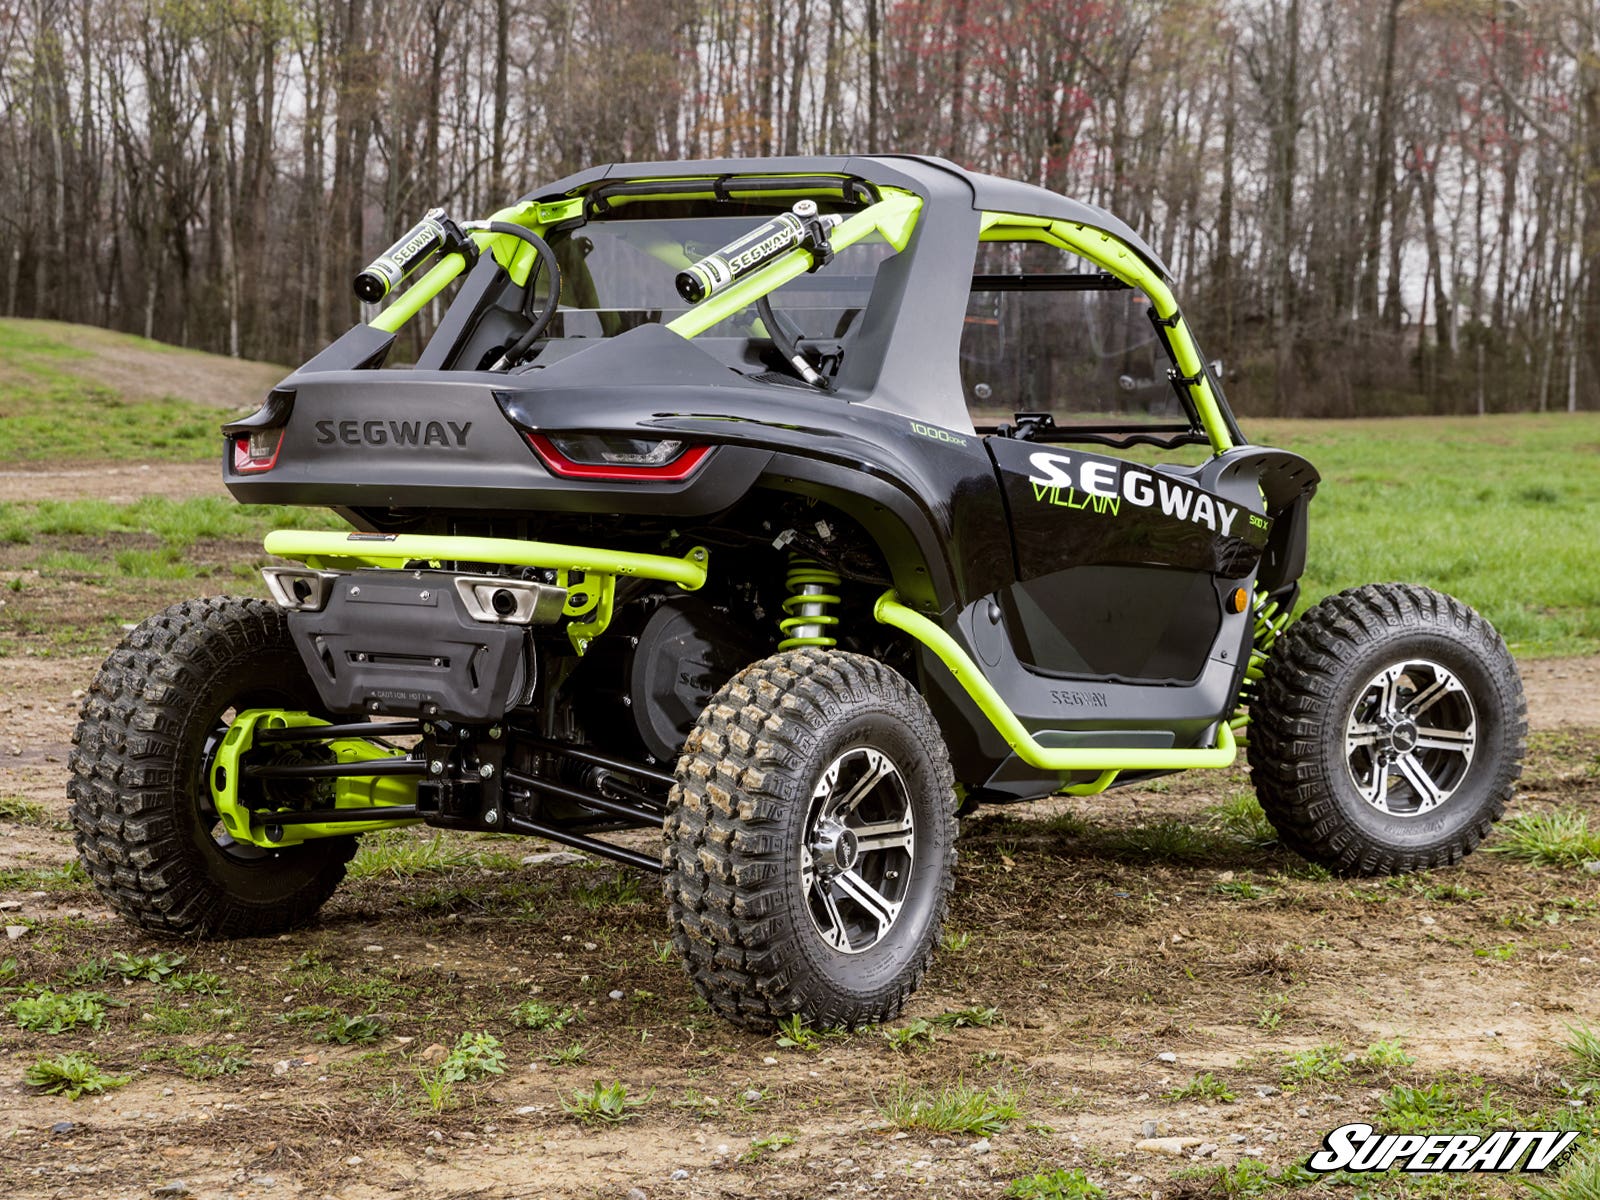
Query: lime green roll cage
(590,573)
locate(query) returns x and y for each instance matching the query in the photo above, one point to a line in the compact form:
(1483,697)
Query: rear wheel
(146,826)
(1389,731)
(810,842)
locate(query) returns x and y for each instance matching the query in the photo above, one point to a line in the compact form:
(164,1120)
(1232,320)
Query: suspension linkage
(321,733)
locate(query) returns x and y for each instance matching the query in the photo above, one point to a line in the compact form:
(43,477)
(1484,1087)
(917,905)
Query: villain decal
(1102,485)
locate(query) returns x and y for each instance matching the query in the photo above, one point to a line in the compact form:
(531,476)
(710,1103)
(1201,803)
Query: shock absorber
(1270,621)
(811,588)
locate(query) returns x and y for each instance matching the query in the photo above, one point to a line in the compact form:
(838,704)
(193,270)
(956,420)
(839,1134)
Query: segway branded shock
(435,232)
(801,227)
(812,587)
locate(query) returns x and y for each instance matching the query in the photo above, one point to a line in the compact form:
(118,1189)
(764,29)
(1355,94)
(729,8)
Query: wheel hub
(857,850)
(836,849)
(1410,737)
(1399,735)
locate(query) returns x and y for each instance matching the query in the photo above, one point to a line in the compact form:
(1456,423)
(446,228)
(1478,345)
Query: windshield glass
(618,273)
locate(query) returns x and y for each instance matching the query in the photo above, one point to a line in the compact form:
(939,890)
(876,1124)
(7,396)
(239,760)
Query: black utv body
(791,506)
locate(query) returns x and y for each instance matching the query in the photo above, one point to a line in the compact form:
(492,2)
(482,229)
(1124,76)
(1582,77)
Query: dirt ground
(1103,943)
(118,483)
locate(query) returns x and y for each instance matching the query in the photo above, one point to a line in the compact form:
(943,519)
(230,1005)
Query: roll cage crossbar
(852,189)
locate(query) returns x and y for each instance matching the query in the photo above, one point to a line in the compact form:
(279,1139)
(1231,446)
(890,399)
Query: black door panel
(1123,570)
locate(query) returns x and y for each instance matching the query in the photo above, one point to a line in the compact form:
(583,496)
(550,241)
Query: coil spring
(811,587)
(1270,622)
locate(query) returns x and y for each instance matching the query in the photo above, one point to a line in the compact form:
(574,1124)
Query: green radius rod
(889,611)
(317,550)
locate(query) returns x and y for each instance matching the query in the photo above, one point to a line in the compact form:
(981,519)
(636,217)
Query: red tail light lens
(257,450)
(601,456)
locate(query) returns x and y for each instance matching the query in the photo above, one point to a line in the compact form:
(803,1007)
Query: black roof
(990,193)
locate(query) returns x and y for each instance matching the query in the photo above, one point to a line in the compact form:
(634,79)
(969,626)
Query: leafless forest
(1372,205)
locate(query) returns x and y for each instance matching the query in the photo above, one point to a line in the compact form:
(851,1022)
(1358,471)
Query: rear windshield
(619,272)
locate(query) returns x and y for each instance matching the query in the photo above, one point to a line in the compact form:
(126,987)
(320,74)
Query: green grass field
(1502,511)
(56,404)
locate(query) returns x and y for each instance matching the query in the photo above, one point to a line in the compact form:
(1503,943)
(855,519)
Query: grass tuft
(568,1056)
(1315,1065)
(917,1032)
(602,1104)
(1443,1107)
(19,808)
(1248,1177)
(544,1018)
(795,1034)
(968,1018)
(1203,1087)
(71,1075)
(400,854)
(475,1056)
(354,1031)
(1384,1056)
(1241,816)
(1553,839)
(1583,1045)
(51,1012)
(958,1109)
(770,1144)
(1060,1184)
(152,968)
(1579,1177)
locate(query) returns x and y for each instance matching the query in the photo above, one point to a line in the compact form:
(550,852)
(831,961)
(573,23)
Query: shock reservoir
(801,227)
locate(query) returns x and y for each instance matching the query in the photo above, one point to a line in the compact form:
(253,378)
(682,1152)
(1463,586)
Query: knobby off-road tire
(1389,731)
(141,808)
(762,912)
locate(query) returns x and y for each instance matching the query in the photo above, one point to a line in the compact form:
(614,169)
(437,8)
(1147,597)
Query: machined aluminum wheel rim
(857,849)
(1410,737)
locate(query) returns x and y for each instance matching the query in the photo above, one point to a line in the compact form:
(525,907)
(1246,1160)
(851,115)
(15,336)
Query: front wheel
(1388,732)
(810,842)
(146,827)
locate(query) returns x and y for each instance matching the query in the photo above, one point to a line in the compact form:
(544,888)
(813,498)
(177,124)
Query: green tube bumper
(341,551)
(889,611)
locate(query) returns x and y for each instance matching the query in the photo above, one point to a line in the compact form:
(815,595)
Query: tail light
(256,439)
(602,456)
(257,450)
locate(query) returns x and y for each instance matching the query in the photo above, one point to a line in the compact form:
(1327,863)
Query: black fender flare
(896,520)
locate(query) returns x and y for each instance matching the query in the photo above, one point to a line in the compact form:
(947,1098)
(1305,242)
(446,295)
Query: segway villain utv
(791,507)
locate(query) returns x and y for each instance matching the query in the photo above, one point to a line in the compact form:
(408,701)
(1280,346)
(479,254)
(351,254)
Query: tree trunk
(1382,169)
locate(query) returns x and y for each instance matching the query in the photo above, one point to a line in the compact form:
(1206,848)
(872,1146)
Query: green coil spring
(811,587)
(1270,622)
